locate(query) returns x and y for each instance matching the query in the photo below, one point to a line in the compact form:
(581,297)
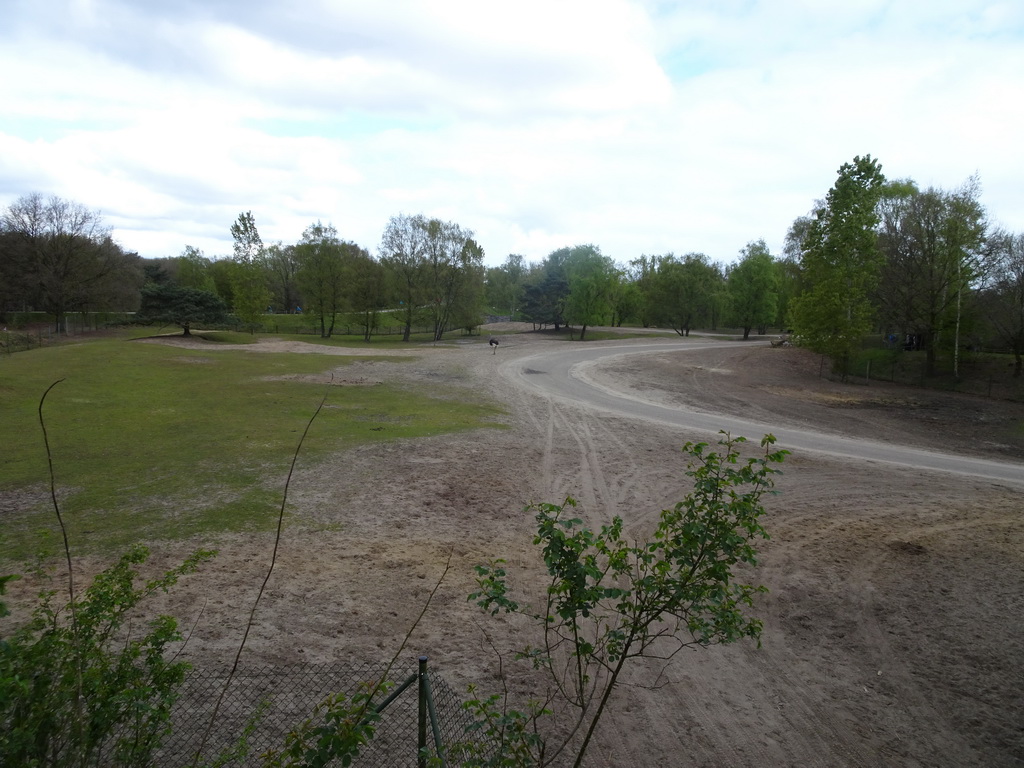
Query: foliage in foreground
(78,687)
(611,599)
(338,728)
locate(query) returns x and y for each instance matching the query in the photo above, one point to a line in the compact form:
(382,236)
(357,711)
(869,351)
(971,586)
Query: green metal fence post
(421,738)
(434,725)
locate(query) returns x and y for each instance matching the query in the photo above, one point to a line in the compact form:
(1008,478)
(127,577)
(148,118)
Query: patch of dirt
(24,498)
(334,381)
(892,626)
(785,386)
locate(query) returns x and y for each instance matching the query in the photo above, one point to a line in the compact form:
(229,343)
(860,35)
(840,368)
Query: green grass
(159,442)
(390,326)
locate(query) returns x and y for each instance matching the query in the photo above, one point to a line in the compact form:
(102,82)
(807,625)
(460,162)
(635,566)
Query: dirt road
(579,375)
(891,631)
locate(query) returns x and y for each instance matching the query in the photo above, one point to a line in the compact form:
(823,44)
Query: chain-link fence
(282,697)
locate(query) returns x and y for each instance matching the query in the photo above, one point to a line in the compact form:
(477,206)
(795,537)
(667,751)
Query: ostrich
(494,345)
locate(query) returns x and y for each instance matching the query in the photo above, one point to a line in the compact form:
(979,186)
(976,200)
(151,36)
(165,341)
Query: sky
(639,126)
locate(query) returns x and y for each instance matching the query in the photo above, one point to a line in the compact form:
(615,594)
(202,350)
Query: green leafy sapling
(610,599)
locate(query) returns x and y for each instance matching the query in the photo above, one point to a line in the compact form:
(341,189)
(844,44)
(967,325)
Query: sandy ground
(893,622)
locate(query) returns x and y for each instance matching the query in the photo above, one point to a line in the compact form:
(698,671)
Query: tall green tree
(322,274)
(369,291)
(250,295)
(932,242)
(506,283)
(683,291)
(1001,297)
(841,263)
(624,297)
(787,278)
(193,270)
(752,287)
(282,267)
(642,273)
(452,261)
(248,245)
(223,273)
(792,279)
(403,254)
(719,297)
(468,312)
(590,276)
(545,291)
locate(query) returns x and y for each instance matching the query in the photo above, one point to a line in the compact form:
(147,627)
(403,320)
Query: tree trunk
(407,329)
(929,359)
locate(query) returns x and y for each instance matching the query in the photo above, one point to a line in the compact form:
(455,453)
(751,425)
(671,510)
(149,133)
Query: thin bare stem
(415,624)
(190,632)
(67,555)
(56,505)
(266,579)
(368,702)
(273,561)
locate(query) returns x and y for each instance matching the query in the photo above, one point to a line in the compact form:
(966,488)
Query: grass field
(159,442)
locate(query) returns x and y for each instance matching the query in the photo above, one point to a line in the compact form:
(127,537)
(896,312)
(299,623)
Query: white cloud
(640,127)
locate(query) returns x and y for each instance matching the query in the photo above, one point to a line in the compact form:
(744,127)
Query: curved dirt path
(576,375)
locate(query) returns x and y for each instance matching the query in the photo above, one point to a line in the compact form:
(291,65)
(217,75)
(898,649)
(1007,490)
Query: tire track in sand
(575,442)
(690,728)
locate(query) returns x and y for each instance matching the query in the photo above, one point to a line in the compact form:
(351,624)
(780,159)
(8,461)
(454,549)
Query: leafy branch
(610,600)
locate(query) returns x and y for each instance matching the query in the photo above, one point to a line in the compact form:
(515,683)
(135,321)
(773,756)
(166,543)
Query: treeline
(427,272)
(581,287)
(924,269)
(56,256)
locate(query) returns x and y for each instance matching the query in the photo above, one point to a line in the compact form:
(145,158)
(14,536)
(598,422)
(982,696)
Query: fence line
(987,382)
(289,694)
(23,341)
(313,329)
